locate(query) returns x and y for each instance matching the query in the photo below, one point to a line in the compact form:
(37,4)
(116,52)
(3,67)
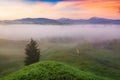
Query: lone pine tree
(33,53)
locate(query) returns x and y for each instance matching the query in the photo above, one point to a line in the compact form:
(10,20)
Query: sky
(54,9)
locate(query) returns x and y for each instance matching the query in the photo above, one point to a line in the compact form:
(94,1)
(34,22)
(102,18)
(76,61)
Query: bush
(50,70)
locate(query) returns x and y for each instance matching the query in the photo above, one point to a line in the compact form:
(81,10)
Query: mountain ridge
(61,21)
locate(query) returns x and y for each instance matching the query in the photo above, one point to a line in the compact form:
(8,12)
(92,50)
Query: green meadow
(50,70)
(94,58)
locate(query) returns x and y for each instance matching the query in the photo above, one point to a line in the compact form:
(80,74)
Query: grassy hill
(97,58)
(49,70)
(102,59)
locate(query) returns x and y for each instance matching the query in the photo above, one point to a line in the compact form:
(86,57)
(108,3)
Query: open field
(102,60)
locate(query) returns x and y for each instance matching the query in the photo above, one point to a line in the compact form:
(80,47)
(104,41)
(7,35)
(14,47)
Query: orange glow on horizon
(75,9)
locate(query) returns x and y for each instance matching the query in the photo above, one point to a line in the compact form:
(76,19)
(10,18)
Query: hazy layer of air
(88,32)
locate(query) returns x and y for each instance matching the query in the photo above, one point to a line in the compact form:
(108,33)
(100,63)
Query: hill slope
(49,70)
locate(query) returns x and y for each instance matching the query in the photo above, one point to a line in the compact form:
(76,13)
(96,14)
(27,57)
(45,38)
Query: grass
(84,62)
(11,56)
(49,70)
(102,62)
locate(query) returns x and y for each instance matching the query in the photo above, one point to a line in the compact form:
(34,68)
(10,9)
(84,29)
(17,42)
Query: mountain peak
(96,18)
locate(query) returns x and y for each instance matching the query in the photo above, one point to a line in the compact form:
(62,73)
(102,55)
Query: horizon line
(59,18)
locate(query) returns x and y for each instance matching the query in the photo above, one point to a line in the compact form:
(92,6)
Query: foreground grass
(11,56)
(84,62)
(50,70)
(98,61)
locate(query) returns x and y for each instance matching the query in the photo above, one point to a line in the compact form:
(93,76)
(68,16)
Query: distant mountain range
(32,21)
(93,20)
(62,21)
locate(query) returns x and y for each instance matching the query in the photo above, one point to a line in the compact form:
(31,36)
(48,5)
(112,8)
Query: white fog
(18,32)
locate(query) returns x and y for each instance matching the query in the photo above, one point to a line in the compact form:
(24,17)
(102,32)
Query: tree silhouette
(33,53)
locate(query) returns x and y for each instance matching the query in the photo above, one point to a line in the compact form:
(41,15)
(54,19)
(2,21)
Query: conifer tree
(32,52)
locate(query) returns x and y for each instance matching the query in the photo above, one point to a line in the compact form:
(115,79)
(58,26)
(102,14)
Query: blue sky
(52,1)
